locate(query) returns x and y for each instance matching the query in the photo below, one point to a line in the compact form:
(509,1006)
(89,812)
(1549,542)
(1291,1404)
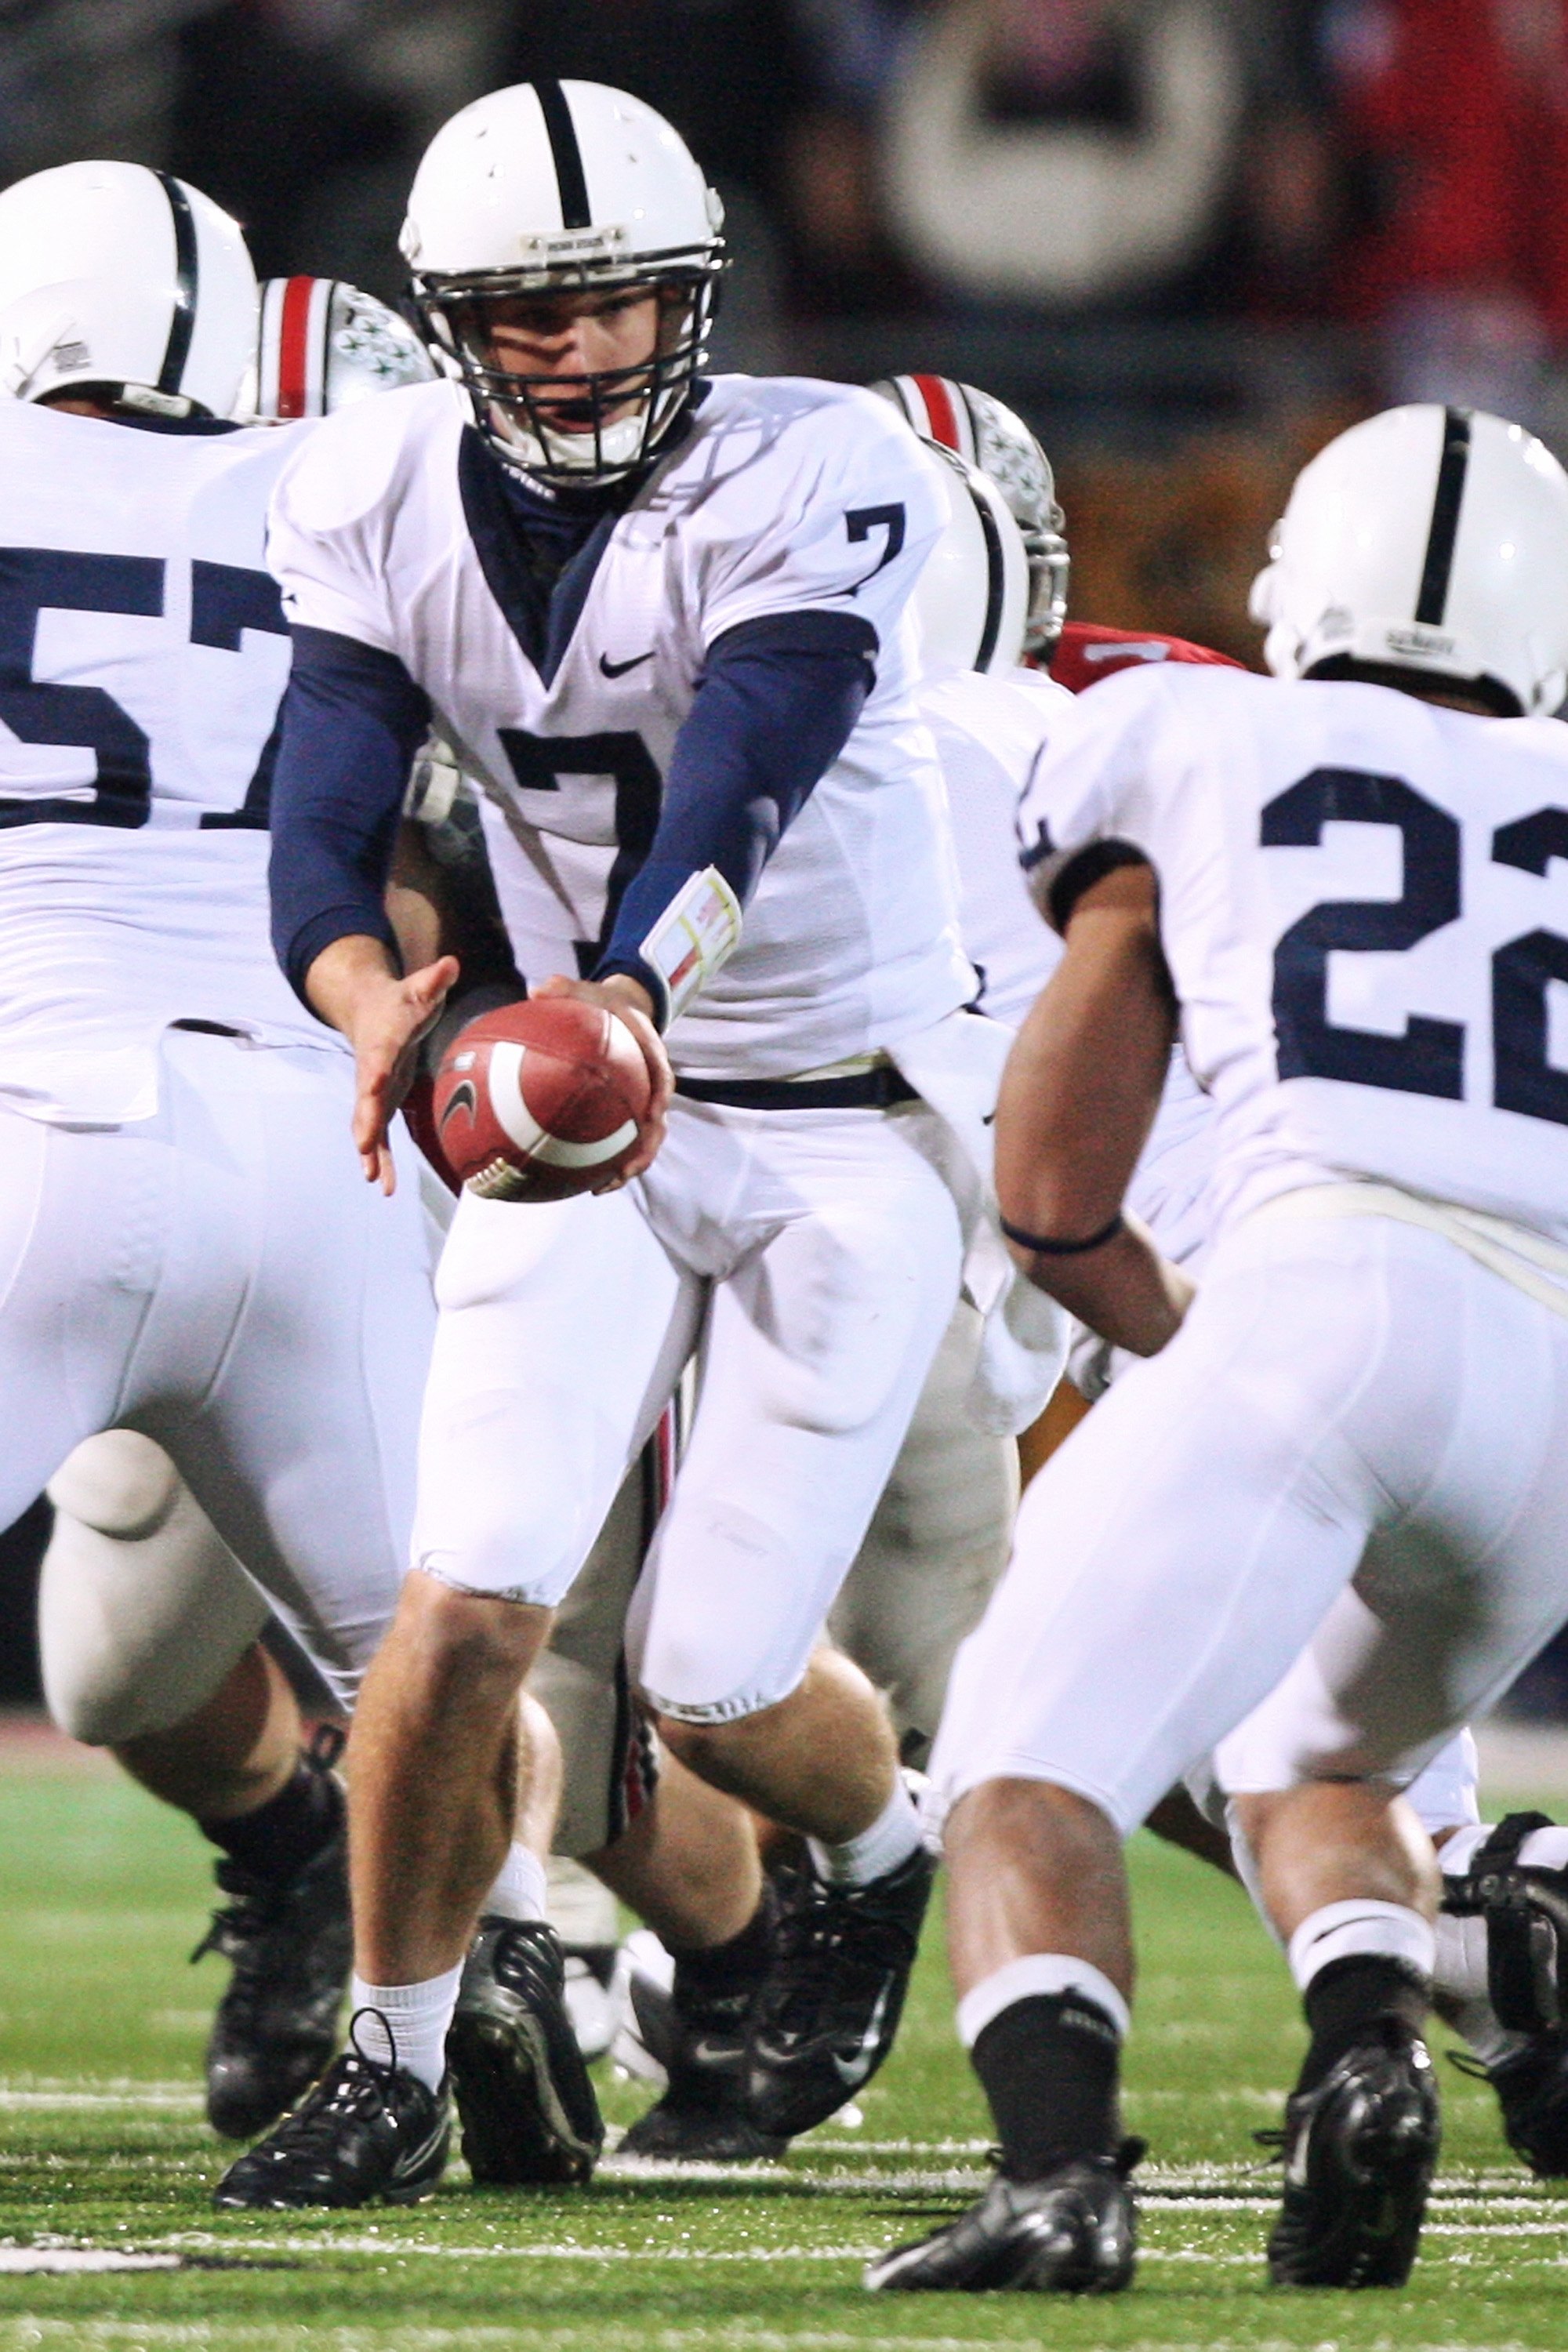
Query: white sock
(519,1893)
(892,1837)
(1545,1848)
(1037,1972)
(406,2023)
(1359,1929)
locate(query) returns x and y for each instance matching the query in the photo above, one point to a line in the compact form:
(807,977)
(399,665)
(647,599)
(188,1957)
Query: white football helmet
(973,597)
(323,345)
(1426,539)
(565,187)
(978,428)
(126,284)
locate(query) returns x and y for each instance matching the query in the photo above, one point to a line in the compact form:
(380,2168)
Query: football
(539,1101)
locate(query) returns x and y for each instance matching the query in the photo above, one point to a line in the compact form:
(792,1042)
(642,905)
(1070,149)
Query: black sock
(1349,1996)
(283,1835)
(1048,2065)
(728,1974)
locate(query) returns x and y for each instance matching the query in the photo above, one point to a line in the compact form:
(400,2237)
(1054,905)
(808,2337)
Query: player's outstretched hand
(353,985)
(629,1001)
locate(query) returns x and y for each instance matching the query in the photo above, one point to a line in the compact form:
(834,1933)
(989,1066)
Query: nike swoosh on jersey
(619,670)
(851,2072)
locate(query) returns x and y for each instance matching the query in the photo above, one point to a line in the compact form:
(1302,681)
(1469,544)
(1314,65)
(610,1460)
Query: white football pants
(936,1545)
(221,1278)
(1340,1387)
(815,1256)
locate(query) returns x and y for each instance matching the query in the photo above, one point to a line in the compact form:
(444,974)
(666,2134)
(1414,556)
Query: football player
(666,632)
(148,1627)
(178,1258)
(1496,1875)
(1372,1383)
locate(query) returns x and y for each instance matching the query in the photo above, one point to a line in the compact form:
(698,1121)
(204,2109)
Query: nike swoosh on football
(852,2071)
(619,670)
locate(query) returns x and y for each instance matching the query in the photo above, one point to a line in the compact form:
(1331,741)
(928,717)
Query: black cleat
(1359,2153)
(829,2008)
(1532,2086)
(1074,2232)
(277,2025)
(700,2043)
(368,2134)
(526,2104)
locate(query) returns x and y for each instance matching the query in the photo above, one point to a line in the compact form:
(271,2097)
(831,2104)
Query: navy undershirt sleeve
(775,707)
(352,720)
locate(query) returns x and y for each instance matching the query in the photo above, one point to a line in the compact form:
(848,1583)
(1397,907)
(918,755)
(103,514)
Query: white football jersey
(785,496)
(1363,902)
(143,656)
(990,734)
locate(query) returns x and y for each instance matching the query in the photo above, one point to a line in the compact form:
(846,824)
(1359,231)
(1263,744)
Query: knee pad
(120,1483)
(134,1635)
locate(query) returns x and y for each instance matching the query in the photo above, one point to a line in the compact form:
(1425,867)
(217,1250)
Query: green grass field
(102,2149)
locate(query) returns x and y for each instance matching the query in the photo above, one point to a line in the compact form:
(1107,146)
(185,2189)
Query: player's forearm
(351,721)
(1078,1097)
(775,707)
(1085,1075)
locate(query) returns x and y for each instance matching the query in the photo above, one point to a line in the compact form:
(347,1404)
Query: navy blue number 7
(863,521)
(539,762)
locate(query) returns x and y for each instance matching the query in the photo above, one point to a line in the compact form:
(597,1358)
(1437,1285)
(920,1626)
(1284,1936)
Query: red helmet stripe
(293,347)
(941,414)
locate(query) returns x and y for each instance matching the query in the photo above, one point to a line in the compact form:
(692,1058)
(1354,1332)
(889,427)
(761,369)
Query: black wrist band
(1043,1246)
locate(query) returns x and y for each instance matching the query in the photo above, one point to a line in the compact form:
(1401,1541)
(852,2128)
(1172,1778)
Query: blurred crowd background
(1189,239)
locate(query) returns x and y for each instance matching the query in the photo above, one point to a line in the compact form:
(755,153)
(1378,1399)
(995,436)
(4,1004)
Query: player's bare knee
(474,1639)
(1019,1817)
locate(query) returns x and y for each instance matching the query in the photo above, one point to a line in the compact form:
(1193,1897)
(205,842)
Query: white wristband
(696,933)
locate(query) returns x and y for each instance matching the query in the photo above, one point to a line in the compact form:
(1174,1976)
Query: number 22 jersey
(785,499)
(143,657)
(1363,904)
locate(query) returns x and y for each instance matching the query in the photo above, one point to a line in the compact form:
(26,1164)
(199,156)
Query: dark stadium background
(1312,209)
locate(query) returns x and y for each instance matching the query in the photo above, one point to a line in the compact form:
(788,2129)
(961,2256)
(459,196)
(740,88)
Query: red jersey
(1085,651)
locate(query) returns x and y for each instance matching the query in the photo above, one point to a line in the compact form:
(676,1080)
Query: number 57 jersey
(143,657)
(1363,904)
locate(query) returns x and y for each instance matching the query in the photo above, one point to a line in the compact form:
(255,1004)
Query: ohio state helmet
(972,595)
(126,284)
(980,430)
(565,187)
(323,344)
(1428,539)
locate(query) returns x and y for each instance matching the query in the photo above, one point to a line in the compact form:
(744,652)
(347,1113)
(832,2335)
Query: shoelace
(357,2085)
(811,1934)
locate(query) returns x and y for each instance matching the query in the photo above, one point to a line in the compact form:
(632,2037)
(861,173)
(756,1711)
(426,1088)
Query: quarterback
(663,625)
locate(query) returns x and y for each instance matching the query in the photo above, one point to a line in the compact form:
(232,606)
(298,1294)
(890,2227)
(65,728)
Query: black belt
(876,1089)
